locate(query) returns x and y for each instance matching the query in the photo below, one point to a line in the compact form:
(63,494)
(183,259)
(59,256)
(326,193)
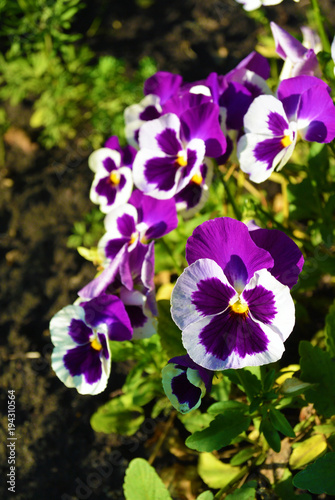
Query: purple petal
(84,360)
(257,63)
(79,331)
(184,391)
(316,107)
(212,296)
(187,362)
(236,99)
(168,142)
(228,333)
(290,90)
(286,44)
(161,172)
(202,122)
(288,259)
(162,84)
(228,243)
(109,310)
(266,151)
(261,303)
(101,283)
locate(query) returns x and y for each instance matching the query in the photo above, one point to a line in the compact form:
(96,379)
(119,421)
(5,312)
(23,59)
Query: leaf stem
(319,22)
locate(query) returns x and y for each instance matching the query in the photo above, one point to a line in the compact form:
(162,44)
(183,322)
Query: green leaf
(319,477)
(307,451)
(221,431)
(168,331)
(205,495)
(118,415)
(317,367)
(284,488)
(195,420)
(217,474)
(280,423)
(246,492)
(293,386)
(221,387)
(143,483)
(330,331)
(270,434)
(243,455)
(223,406)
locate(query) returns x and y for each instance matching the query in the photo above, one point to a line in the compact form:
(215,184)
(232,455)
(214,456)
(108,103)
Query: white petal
(183,311)
(284,320)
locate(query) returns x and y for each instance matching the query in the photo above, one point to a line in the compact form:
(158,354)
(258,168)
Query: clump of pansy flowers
(232,303)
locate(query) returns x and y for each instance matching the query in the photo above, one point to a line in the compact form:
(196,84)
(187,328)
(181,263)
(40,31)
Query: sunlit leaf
(118,415)
(143,483)
(217,474)
(307,451)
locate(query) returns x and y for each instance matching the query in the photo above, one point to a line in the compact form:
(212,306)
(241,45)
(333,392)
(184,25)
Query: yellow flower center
(114,178)
(181,159)
(95,344)
(239,308)
(197,178)
(286,141)
(133,238)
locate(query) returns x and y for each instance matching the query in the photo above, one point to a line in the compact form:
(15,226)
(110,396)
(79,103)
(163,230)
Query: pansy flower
(80,334)
(142,219)
(232,311)
(185,383)
(157,90)
(113,180)
(299,60)
(173,147)
(130,274)
(272,125)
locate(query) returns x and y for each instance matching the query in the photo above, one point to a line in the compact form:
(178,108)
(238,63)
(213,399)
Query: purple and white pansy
(130,275)
(158,89)
(173,147)
(231,309)
(271,125)
(185,383)
(113,181)
(80,334)
(299,60)
(142,219)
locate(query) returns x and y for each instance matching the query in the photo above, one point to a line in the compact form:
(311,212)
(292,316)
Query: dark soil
(58,455)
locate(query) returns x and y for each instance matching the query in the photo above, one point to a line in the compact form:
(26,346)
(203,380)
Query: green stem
(179,269)
(230,197)
(241,376)
(319,22)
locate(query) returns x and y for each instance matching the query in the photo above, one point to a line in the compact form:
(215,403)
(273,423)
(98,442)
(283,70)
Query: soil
(58,455)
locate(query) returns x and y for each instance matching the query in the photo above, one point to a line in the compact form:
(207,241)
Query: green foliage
(246,492)
(143,483)
(318,368)
(318,477)
(71,91)
(88,231)
(221,431)
(169,333)
(217,474)
(330,331)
